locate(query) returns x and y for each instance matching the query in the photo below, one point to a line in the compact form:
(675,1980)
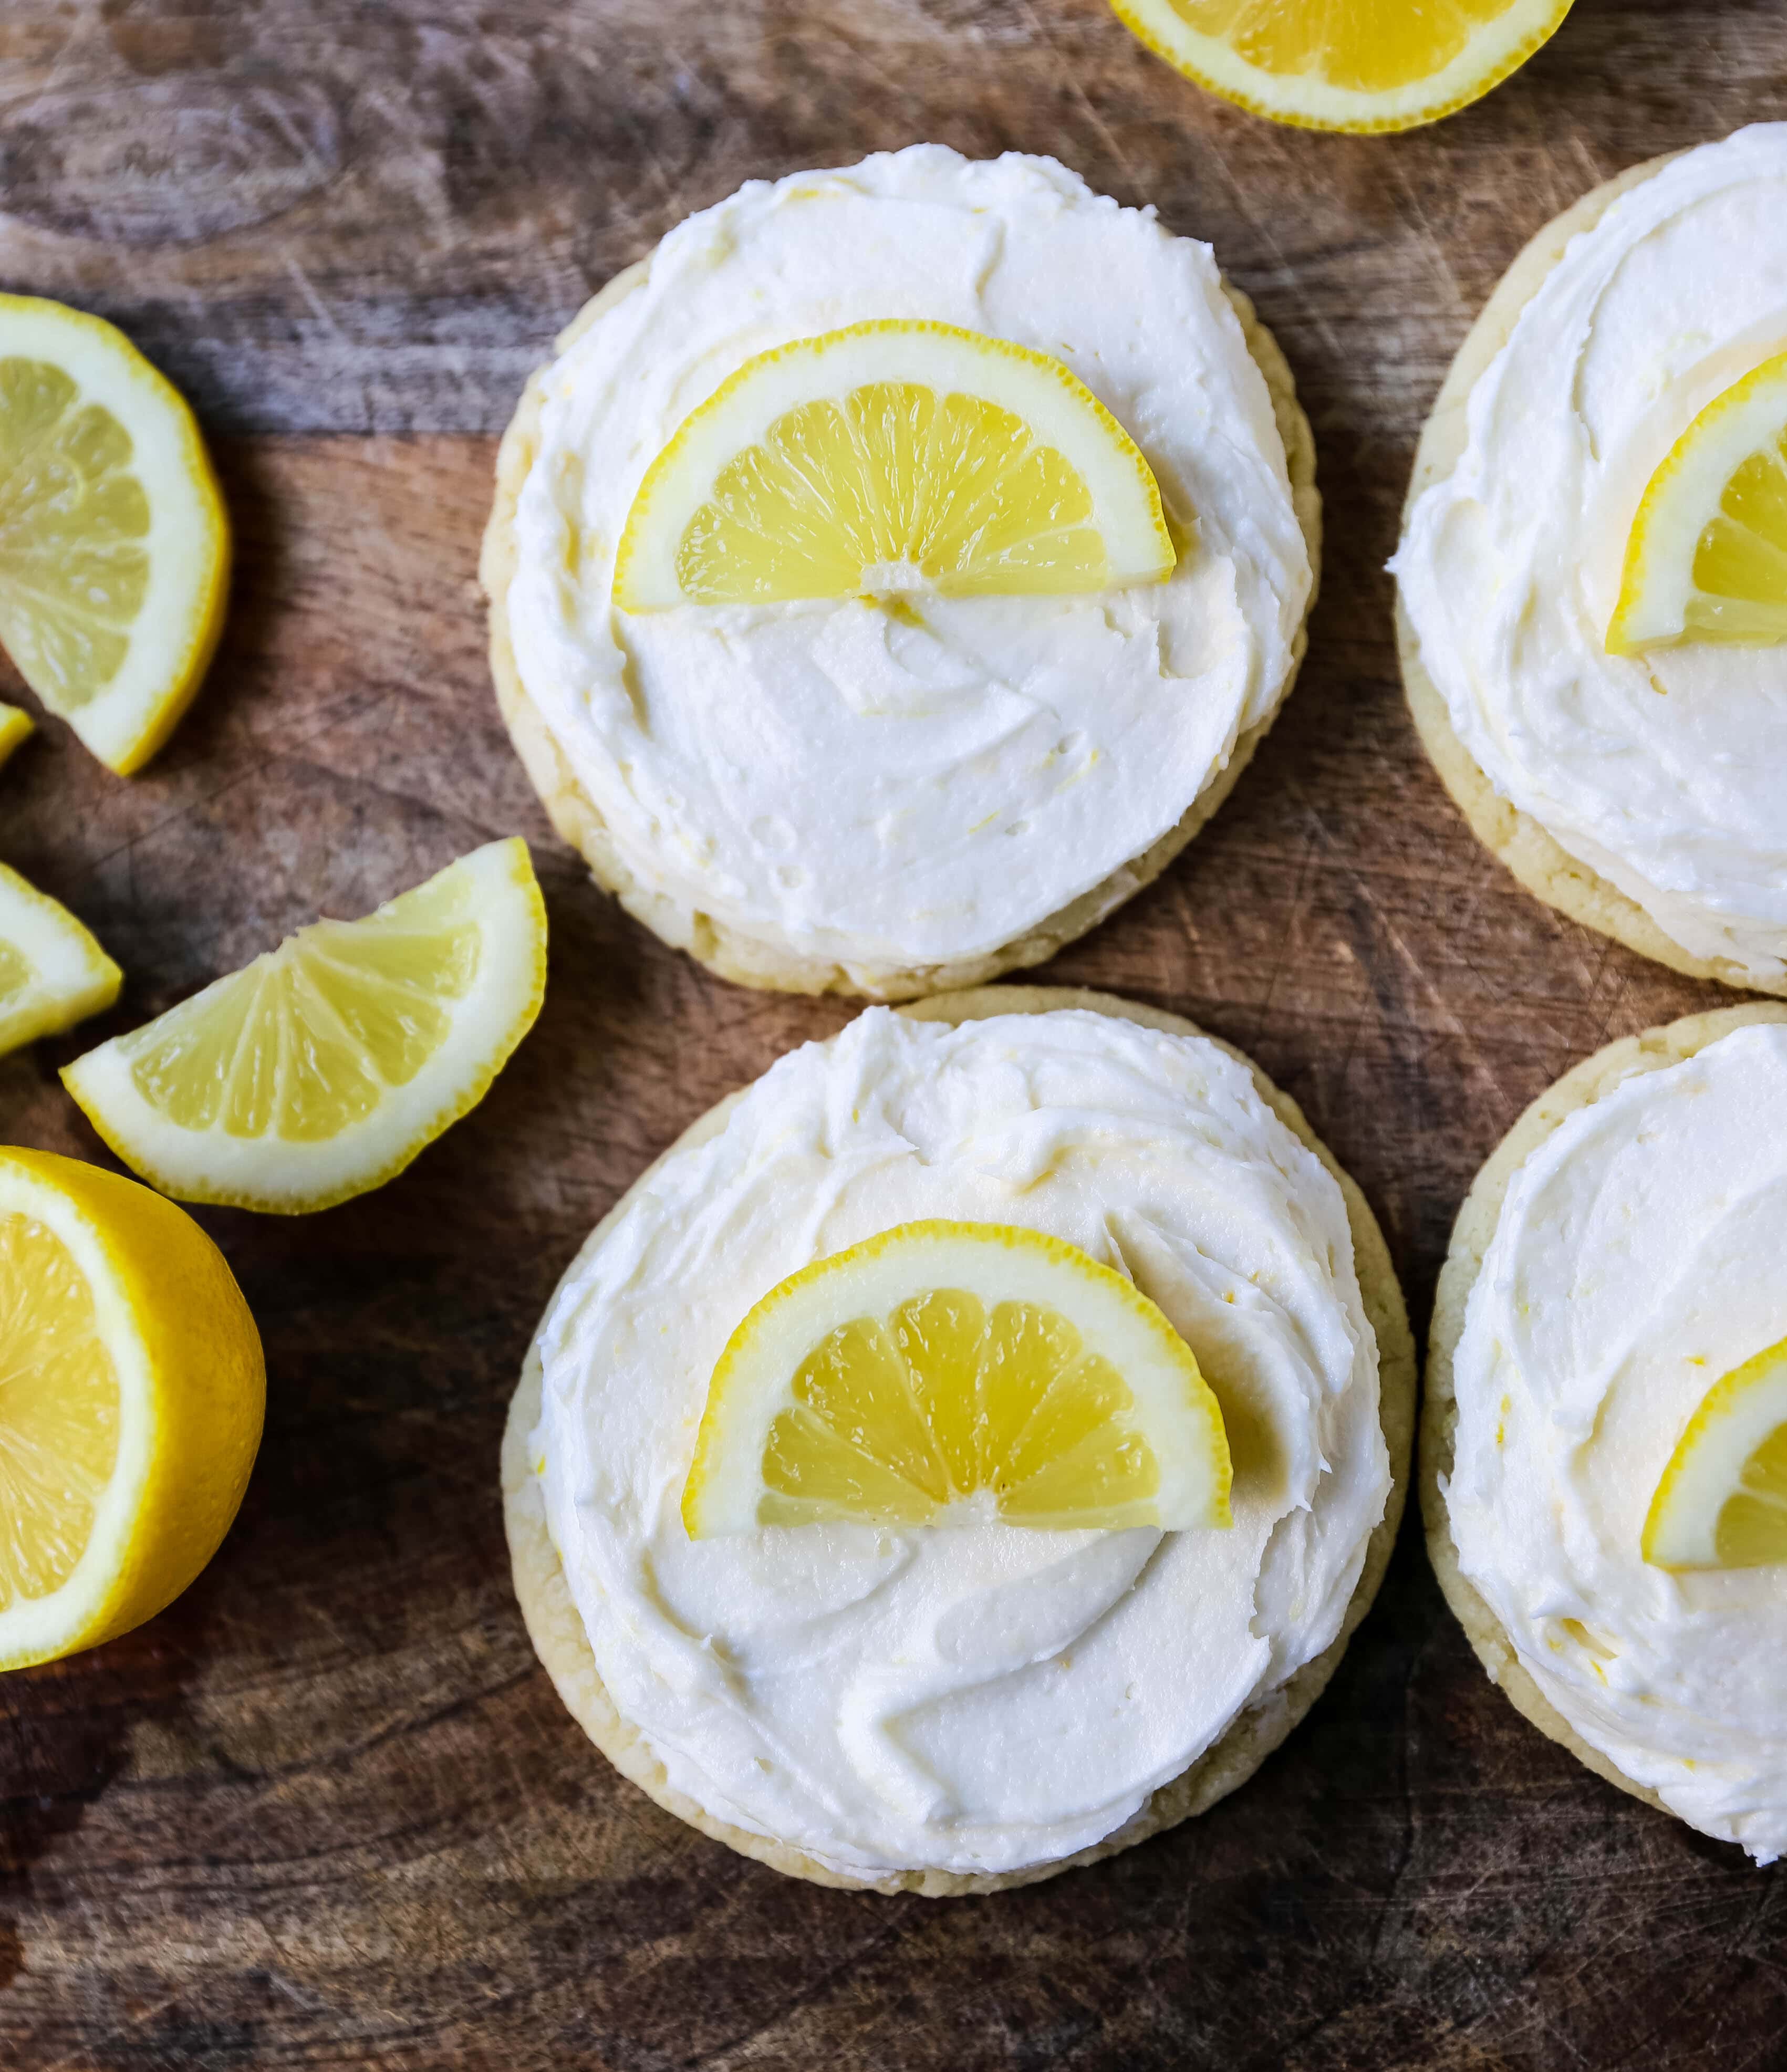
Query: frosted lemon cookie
(1637,791)
(954,1707)
(1601,1446)
(901,790)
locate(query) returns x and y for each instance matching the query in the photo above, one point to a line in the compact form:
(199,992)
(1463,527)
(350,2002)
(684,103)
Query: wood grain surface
(327,1810)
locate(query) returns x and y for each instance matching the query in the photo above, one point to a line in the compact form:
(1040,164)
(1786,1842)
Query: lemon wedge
(322,1069)
(893,456)
(954,1374)
(1722,1502)
(1345,64)
(131,1393)
(114,549)
(14,727)
(1706,556)
(52,972)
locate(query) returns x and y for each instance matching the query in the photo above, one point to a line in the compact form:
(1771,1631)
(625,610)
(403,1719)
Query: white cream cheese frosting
(974,1697)
(928,779)
(1662,773)
(1640,1254)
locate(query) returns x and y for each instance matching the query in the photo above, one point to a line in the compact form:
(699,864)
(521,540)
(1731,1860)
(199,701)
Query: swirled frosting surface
(902,784)
(1639,1256)
(976,1698)
(1661,773)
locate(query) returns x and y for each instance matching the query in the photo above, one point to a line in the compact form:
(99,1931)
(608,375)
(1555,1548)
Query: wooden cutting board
(327,1811)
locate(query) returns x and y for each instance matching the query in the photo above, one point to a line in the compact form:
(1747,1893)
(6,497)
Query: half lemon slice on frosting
(893,456)
(1706,557)
(52,972)
(324,1068)
(1722,1502)
(1345,64)
(957,1374)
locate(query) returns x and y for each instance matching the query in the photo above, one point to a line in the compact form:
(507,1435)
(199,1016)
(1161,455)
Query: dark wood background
(327,1810)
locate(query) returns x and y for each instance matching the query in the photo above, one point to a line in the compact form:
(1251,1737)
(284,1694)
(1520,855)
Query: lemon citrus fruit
(52,972)
(114,549)
(1345,64)
(1722,1502)
(1706,556)
(131,1394)
(893,456)
(322,1069)
(14,727)
(950,1373)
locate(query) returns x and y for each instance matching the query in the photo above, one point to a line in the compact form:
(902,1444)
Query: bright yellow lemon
(1722,1501)
(52,972)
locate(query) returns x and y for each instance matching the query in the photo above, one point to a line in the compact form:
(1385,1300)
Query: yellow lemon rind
(73,976)
(1738,1413)
(174,635)
(277,1176)
(1056,406)
(998,1263)
(192,1385)
(15,729)
(1304,101)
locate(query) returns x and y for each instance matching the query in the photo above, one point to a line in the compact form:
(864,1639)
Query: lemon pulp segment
(945,1374)
(324,1068)
(114,549)
(52,972)
(1706,556)
(15,727)
(893,456)
(1346,64)
(1722,1501)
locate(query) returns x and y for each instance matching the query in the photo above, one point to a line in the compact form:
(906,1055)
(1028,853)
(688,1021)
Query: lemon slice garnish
(1722,1502)
(52,972)
(323,1068)
(1345,64)
(15,727)
(131,1392)
(893,456)
(952,1374)
(1706,556)
(114,549)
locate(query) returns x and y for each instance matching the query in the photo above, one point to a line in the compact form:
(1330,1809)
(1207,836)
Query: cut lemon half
(131,1394)
(1706,556)
(114,549)
(956,1374)
(15,727)
(323,1068)
(893,456)
(1345,64)
(1722,1502)
(52,972)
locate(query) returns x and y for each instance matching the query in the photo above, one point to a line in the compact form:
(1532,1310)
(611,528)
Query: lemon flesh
(950,1373)
(1706,556)
(114,549)
(15,727)
(893,456)
(322,1069)
(1722,1501)
(132,1390)
(1345,64)
(52,972)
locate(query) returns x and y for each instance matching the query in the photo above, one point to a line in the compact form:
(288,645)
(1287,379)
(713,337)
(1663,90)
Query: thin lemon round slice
(15,727)
(1722,1502)
(1345,64)
(114,548)
(52,972)
(1706,556)
(893,456)
(956,1374)
(323,1068)
(131,1394)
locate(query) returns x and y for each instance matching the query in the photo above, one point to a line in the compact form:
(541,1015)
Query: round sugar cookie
(765,957)
(557,1629)
(1651,1050)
